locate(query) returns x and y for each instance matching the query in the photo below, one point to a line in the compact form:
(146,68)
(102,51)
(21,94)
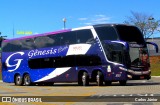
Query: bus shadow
(90,85)
(57,85)
(65,85)
(94,84)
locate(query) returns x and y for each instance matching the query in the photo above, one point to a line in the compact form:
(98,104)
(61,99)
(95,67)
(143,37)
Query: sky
(23,17)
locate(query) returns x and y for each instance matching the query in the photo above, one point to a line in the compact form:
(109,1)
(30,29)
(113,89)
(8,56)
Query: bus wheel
(18,80)
(85,79)
(27,80)
(99,78)
(123,83)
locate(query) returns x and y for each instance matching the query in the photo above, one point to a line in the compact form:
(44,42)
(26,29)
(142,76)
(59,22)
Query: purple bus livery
(100,53)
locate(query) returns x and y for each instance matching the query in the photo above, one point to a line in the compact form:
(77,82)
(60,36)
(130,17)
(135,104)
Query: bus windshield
(139,56)
(130,34)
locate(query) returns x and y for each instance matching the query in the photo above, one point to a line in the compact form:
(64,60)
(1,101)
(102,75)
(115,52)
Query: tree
(1,39)
(146,23)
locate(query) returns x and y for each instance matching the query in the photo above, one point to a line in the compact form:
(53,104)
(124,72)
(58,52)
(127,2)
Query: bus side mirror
(154,44)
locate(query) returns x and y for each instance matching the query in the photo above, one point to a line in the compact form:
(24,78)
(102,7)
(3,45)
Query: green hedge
(155,69)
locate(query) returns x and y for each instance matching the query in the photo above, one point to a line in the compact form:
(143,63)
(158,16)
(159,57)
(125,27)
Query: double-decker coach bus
(99,53)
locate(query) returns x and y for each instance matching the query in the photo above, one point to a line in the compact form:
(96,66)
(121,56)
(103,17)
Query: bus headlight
(129,76)
(122,68)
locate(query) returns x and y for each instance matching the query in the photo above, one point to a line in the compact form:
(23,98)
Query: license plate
(141,77)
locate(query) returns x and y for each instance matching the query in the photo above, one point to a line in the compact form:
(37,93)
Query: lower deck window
(66,61)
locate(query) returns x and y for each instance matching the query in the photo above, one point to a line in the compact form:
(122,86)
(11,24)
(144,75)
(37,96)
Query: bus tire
(148,77)
(99,78)
(27,80)
(18,80)
(84,80)
(123,82)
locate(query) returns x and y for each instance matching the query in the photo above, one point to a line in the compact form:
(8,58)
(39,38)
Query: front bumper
(132,72)
(137,75)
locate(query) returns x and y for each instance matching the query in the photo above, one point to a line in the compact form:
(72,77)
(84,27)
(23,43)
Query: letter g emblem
(15,65)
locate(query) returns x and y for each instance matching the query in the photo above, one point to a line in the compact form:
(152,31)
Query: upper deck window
(11,46)
(60,39)
(106,33)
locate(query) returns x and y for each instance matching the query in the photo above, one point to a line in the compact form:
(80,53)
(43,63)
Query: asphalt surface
(135,92)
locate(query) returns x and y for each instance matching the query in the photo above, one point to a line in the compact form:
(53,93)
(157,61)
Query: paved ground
(106,95)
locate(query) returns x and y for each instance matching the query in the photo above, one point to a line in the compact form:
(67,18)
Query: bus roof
(66,30)
(36,35)
(111,24)
(48,33)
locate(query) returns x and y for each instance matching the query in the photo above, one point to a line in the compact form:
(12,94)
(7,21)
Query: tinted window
(18,45)
(84,36)
(130,34)
(68,38)
(74,37)
(27,44)
(74,60)
(106,33)
(44,41)
(114,52)
(15,45)
(56,40)
(52,62)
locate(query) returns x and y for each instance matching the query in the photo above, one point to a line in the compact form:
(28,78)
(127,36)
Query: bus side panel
(6,75)
(119,74)
(114,73)
(68,76)
(65,74)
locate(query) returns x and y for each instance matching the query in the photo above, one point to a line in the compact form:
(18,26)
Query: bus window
(106,33)
(68,38)
(28,44)
(83,36)
(114,52)
(12,46)
(56,39)
(130,34)
(52,62)
(74,60)
(44,41)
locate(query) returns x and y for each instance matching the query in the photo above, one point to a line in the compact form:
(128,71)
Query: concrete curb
(155,76)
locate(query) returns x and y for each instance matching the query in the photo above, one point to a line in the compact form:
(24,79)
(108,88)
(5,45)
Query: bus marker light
(109,68)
